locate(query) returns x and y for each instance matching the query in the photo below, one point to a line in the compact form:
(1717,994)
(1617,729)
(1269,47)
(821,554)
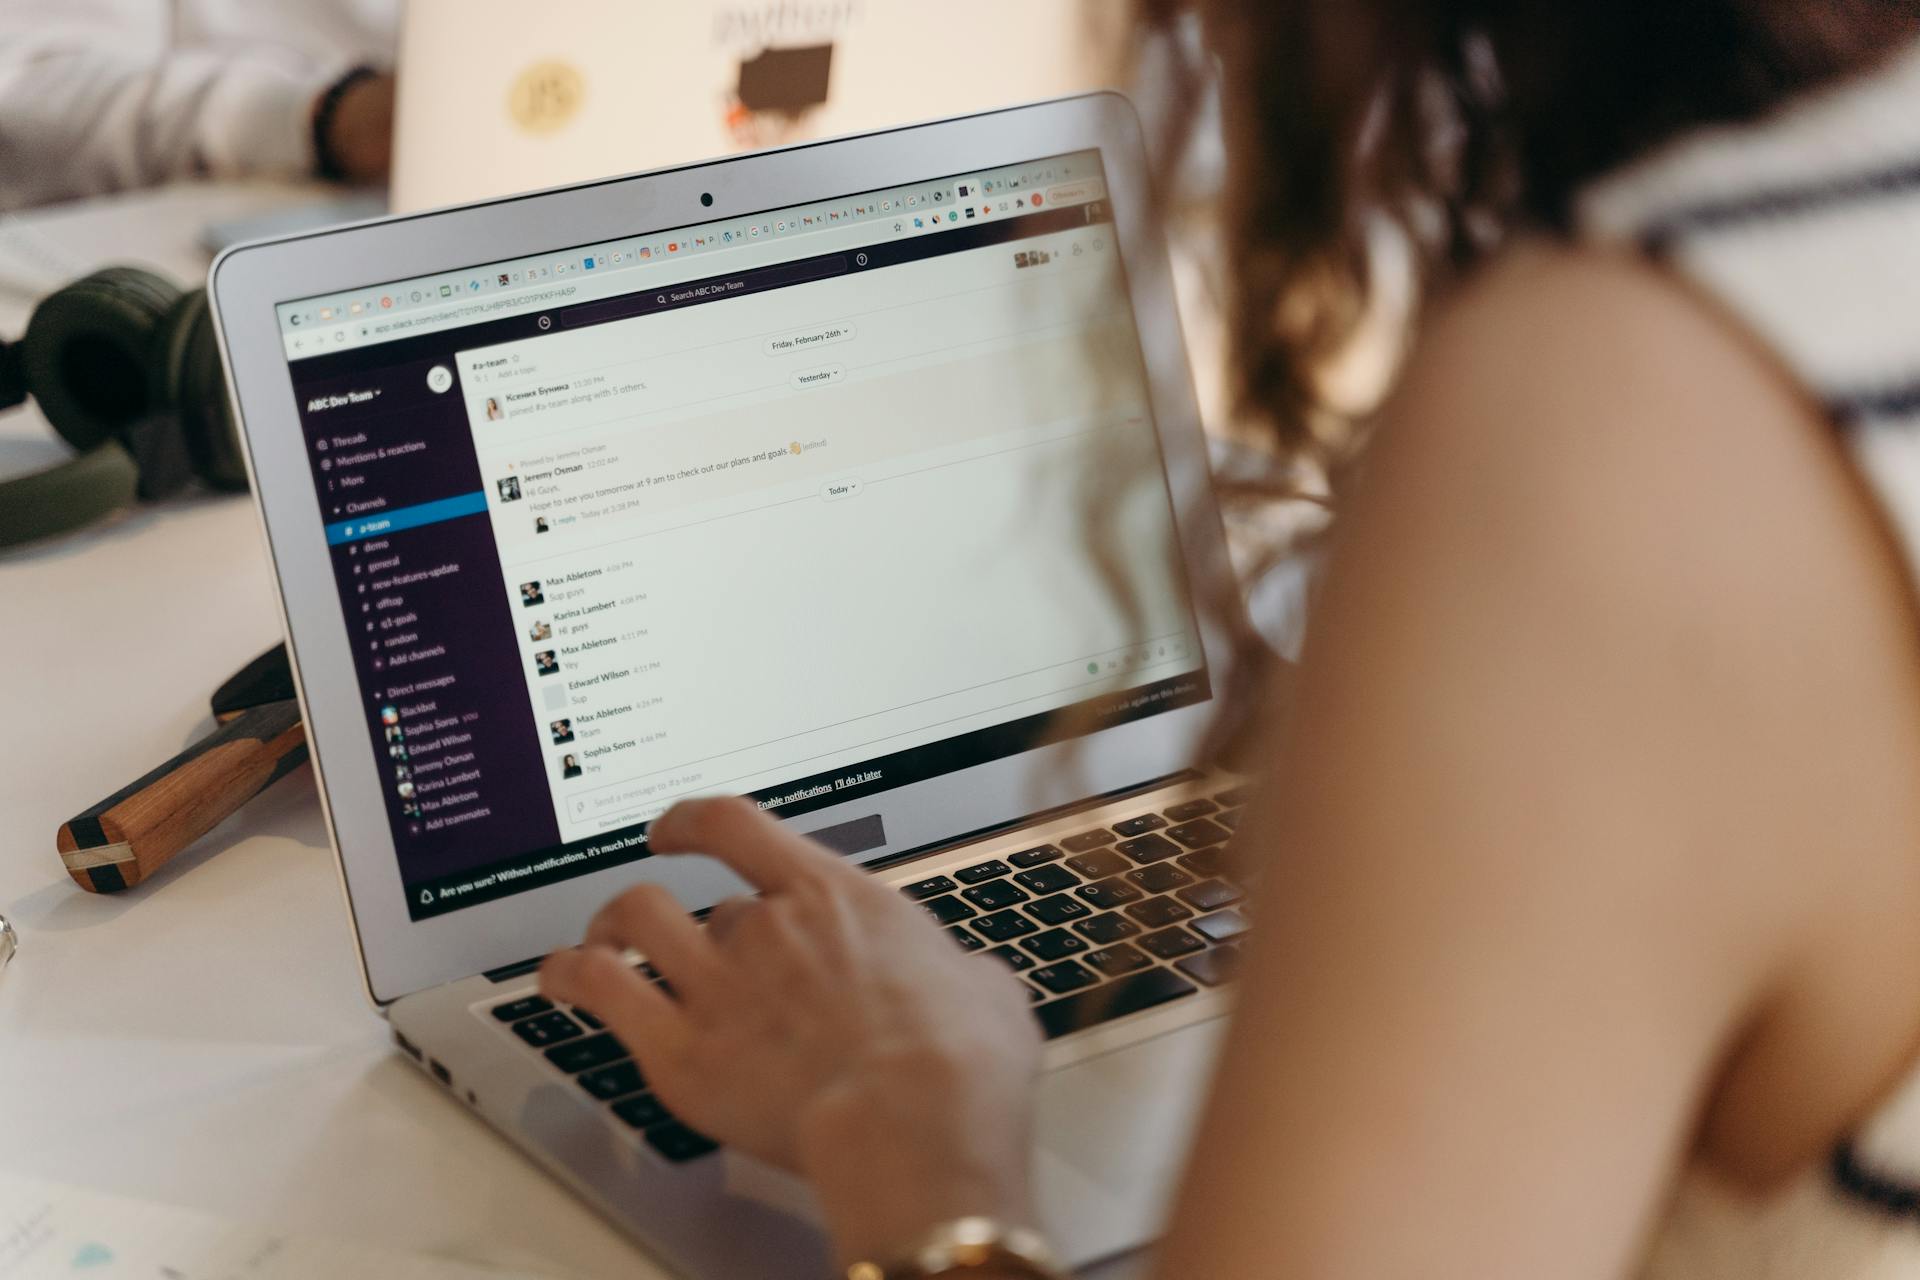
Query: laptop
(490,104)
(863,478)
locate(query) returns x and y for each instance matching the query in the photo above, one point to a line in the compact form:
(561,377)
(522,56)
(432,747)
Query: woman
(1590,833)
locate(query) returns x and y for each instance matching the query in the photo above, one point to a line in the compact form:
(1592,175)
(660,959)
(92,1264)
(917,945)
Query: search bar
(712,289)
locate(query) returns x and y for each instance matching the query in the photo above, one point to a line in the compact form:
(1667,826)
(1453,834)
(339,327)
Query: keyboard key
(514,1010)
(1190,810)
(1063,977)
(1004,926)
(1054,944)
(1159,877)
(1033,857)
(924,889)
(1057,910)
(1118,960)
(948,910)
(614,1081)
(1045,880)
(1013,957)
(642,1111)
(1088,840)
(1206,863)
(1172,943)
(1107,894)
(1110,927)
(1230,819)
(1222,926)
(1211,967)
(995,894)
(1131,994)
(966,940)
(678,1143)
(1149,848)
(1156,912)
(548,1028)
(1099,864)
(1199,833)
(575,1056)
(1210,895)
(981,871)
(1236,797)
(587,1020)
(1141,825)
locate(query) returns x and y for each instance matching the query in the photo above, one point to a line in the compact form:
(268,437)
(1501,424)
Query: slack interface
(803,507)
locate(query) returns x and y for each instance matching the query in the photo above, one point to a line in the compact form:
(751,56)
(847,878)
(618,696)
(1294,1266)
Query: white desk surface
(203,1040)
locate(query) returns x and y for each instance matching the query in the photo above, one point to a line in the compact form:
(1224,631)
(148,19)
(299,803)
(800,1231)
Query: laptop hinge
(521,968)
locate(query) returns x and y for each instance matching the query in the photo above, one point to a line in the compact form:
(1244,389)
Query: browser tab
(428,303)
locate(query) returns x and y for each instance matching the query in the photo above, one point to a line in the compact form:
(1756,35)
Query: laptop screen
(804,506)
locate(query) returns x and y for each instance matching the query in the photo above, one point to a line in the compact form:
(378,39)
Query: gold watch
(968,1247)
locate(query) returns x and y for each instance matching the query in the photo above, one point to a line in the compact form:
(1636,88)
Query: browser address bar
(623,280)
(465,311)
(649,276)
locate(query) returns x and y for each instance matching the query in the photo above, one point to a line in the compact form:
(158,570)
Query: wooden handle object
(268,678)
(137,830)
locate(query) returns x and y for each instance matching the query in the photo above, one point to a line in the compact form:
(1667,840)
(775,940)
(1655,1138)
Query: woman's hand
(827,1026)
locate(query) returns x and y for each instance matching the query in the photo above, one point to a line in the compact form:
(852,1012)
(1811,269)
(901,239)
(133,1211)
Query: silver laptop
(490,103)
(862,478)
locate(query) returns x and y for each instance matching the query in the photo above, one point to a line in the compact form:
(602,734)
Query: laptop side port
(440,1073)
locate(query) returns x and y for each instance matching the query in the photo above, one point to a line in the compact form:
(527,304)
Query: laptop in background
(492,102)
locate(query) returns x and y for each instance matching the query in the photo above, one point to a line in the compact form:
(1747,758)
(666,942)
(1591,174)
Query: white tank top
(1804,228)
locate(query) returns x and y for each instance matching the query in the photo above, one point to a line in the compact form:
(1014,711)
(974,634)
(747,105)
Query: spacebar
(1115,1000)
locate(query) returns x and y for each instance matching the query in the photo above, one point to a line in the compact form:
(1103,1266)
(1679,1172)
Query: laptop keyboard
(1098,925)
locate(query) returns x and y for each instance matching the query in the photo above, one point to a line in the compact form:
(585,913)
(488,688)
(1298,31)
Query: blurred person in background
(104,95)
(1586,862)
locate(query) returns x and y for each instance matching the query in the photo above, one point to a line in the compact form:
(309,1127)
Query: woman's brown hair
(1461,120)
(1456,122)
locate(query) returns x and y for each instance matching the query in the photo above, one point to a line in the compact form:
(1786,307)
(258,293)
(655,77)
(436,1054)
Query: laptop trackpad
(1113,1137)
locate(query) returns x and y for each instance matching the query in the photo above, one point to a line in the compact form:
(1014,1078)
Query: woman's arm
(1607,646)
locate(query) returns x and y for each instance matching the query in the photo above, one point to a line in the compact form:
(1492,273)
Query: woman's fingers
(649,919)
(600,981)
(726,915)
(735,832)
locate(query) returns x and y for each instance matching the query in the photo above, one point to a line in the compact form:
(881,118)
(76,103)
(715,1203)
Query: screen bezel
(399,955)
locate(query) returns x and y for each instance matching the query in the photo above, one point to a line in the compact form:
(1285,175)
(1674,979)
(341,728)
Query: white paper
(53,1232)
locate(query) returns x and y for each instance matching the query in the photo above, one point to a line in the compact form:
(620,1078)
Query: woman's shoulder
(1571,379)
(1586,460)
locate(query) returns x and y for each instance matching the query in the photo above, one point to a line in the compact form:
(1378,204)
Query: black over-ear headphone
(125,367)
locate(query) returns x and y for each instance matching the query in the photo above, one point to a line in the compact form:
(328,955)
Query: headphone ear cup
(189,382)
(84,355)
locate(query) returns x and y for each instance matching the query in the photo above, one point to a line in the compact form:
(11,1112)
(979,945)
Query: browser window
(828,506)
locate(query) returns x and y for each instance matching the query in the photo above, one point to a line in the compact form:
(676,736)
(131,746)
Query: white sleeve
(82,112)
